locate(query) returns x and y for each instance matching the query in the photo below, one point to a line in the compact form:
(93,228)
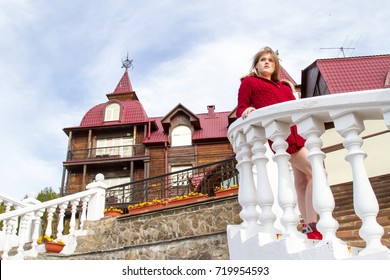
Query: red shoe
(312,232)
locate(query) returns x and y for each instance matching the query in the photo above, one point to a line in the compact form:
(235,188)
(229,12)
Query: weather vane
(277,54)
(127,63)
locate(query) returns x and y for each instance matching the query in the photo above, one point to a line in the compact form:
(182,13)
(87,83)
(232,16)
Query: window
(118,196)
(112,112)
(181,136)
(181,178)
(122,147)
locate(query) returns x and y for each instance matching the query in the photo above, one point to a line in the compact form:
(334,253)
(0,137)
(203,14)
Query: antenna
(340,48)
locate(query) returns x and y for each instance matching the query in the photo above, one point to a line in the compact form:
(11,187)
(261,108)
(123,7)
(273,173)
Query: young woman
(262,88)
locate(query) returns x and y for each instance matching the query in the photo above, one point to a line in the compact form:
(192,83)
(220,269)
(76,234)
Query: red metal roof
(132,112)
(211,128)
(124,85)
(354,73)
(283,75)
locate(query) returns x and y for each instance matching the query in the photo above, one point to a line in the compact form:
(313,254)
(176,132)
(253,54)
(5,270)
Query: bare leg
(303,185)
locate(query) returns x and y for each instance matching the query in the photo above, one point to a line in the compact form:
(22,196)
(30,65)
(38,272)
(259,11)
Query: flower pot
(112,214)
(54,247)
(187,200)
(146,208)
(227,192)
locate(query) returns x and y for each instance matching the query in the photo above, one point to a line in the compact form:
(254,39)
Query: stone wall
(187,232)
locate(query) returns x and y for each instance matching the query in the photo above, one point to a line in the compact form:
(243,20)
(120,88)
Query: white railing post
(247,190)
(264,195)
(22,233)
(61,219)
(323,201)
(83,217)
(36,232)
(98,200)
(49,226)
(386,116)
(350,125)
(11,223)
(72,223)
(277,132)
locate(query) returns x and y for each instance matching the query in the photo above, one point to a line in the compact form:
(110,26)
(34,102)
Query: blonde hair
(256,58)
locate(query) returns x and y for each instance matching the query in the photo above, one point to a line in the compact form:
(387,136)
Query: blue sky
(60,58)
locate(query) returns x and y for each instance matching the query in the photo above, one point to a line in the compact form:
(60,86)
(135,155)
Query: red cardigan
(258,92)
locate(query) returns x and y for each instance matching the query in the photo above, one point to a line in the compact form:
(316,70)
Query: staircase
(349,222)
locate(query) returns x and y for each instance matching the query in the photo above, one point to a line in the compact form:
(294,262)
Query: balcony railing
(107,152)
(200,179)
(23,225)
(347,111)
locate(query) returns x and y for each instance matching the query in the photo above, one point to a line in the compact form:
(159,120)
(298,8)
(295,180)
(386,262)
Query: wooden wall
(75,181)
(157,161)
(208,153)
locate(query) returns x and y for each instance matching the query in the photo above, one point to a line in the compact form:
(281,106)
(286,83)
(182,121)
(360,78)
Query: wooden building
(118,139)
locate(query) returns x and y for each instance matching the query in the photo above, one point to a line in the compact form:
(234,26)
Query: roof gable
(211,128)
(346,74)
(166,121)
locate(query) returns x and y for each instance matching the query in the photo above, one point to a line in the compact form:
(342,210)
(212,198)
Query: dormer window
(181,136)
(112,112)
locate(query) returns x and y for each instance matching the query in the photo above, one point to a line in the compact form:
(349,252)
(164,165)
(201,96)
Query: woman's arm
(244,104)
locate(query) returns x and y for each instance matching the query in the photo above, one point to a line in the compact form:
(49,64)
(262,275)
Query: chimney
(210,111)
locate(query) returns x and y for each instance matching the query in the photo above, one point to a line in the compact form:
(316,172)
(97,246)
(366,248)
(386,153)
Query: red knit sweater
(258,92)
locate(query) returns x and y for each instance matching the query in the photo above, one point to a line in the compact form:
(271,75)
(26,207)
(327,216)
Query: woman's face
(265,66)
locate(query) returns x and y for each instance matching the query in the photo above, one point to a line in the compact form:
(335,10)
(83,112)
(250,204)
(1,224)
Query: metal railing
(198,179)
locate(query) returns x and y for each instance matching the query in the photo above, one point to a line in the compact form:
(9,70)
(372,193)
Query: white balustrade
(350,125)
(312,128)
(277,132)
(264,195)
(347,111)
(32,214)
(247,197)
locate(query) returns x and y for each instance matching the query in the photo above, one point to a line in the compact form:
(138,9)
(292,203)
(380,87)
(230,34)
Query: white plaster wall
(377,149)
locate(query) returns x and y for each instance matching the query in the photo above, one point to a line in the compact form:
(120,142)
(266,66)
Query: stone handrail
(9,202)
(91,201)
(248,137)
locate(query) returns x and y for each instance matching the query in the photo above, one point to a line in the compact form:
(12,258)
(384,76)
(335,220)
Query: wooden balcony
(112,152)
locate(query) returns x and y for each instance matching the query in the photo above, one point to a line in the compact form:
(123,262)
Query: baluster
(278,132)
(365,202)
(264,194)
(247,190)
(37,231)
(83,216)
(15,228)
(50,214)
(323,200)
(11,223)
(386,116)
(60,225)
(22,236)
(8,206)
(72,223)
